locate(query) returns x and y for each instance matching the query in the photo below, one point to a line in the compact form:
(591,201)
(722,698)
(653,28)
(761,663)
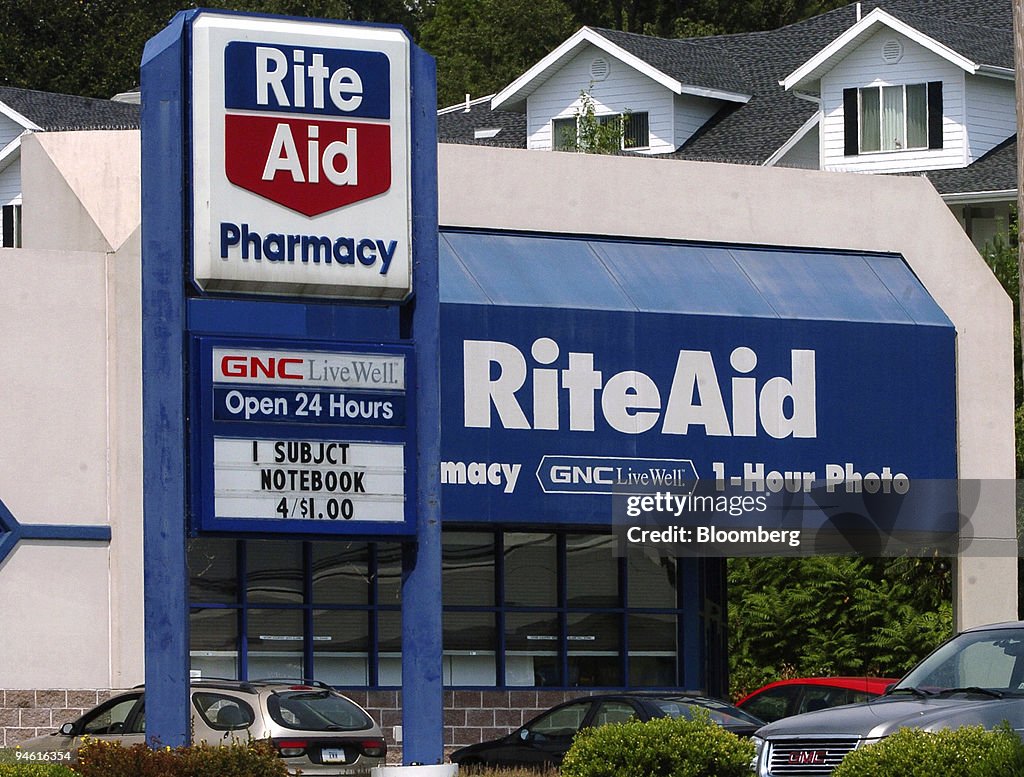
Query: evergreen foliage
(663,747)
(94,48)
(834,615)
(964,752)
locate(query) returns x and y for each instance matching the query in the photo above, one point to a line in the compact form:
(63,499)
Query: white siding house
(667,108)
(618,89)
(991,114)
(880,86)
(868,66)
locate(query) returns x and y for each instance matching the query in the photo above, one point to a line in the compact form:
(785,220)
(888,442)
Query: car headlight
(758,750)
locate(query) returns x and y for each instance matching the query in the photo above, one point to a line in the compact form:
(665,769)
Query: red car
(806,694)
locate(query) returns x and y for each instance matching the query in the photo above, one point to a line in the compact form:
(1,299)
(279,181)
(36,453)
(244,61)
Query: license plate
(332,755)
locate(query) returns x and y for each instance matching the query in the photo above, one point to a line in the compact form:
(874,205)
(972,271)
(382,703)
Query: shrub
(35,770)
(664,747)
(97,758)
(971,751)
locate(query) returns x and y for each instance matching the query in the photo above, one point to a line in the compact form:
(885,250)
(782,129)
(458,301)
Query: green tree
(594,134)
(483,45)
(825,615)
(93,47)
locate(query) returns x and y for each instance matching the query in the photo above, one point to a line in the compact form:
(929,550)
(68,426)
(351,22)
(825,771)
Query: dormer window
(635,131)
(893,118)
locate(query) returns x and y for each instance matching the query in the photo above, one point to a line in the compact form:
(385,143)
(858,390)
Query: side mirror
(68,729)
(524,734)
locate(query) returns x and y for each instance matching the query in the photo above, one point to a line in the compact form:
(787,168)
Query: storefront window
(531,649)
(341,573)
(276,639)
(468,568)
(592,570)
(562,608)
(652,579)
(470,645)
(531,570)
(389,646)
(652,650)
(388,577)
(213,641)
(594,649)
(213,571)
(341,641)
(274,572)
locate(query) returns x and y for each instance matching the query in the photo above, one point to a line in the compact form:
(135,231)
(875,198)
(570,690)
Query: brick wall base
(469,716)
(25,714)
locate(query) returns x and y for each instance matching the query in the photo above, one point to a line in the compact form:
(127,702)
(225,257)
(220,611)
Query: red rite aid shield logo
(307,127)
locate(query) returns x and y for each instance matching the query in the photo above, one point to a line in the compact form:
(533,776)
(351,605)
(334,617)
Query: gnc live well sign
(301,158)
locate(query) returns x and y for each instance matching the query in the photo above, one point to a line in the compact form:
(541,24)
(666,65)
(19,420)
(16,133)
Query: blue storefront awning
(570,364)
(699,279)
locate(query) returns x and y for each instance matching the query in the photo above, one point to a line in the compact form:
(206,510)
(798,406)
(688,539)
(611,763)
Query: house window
(10,226)
(893,118)
(635,129)
(563,134)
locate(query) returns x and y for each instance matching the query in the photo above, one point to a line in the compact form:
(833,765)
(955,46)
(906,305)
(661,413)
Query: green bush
(971,751)
(97,758)
(35,770)
(664,747)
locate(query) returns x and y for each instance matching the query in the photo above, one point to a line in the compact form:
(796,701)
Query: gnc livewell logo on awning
(301,158)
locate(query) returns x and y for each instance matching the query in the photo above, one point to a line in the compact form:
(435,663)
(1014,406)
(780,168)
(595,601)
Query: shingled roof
(62,112)
(754,63)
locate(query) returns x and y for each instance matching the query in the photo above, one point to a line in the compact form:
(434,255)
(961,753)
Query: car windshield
(976,662)
(319,710)
(720,713)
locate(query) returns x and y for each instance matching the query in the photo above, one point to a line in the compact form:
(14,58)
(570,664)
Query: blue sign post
(290,383)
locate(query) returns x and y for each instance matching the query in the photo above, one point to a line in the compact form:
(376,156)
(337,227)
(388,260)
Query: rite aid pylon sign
(300,158)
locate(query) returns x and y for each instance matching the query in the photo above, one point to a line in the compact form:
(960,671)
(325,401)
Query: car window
(992,658)
(613,712)
(562,722)
(982,663)
(221,712)
(717,711)
(316,711)
(820,697)
(109,718)
(773,703)
(136,723)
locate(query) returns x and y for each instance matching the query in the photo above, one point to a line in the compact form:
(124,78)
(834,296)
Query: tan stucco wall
(70,427)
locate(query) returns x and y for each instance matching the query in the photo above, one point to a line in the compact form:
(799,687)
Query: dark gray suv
(975,678)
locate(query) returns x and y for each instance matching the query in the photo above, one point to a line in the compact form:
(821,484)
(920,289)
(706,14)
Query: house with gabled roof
(25,111)
(896,86)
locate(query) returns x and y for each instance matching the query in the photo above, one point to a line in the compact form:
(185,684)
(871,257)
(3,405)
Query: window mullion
(906,118)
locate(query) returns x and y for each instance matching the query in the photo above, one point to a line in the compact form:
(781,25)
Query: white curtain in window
(869,120)
(892,118)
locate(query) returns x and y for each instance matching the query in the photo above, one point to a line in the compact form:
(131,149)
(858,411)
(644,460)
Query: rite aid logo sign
(301,161)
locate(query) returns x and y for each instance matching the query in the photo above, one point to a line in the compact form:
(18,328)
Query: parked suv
(313,728)
(977,677)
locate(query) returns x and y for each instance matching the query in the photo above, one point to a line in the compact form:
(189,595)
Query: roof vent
(892,51)
(599,69)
